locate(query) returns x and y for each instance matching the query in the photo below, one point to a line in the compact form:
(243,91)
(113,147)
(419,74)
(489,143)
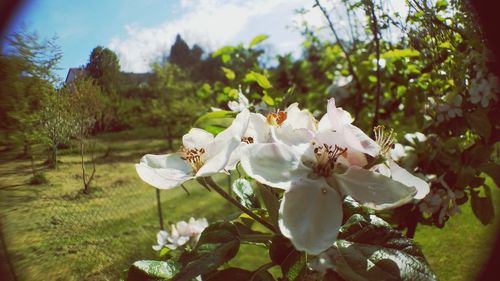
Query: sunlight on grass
(55,230)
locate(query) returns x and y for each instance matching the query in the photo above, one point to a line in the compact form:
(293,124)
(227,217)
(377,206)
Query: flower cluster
(181,233)
(315,162)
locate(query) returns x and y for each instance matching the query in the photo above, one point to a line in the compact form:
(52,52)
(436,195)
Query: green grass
(55,232)
(458,251)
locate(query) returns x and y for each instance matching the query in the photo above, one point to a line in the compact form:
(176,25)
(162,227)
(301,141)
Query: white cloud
(210,23)
(214,23)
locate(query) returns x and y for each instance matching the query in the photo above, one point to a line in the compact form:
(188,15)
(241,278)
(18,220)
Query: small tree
(85,107)
(27,76)
(56,124)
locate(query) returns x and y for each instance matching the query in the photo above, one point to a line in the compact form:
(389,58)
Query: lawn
(55,232)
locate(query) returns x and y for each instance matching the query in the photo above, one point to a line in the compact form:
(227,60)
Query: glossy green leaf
(152,270)
(257,40)
(291,261)
(243,190)
(369,249)
(218,244)
(361,262)
(239,274)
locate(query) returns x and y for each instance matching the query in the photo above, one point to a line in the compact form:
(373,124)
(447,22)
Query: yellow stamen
(326,157)
(277,118)
(248,140)
(384,139)
(193,156)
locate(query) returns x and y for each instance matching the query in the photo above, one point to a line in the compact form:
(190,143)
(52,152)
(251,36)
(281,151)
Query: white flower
(314,180)
(181,233)
(292,126)
(484,88)
(442,200)
(415,137)
(391,169)
(201,155)
(258,131)
(335,128)
(162,238)
(241,104)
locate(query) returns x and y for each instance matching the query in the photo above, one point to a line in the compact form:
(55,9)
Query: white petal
(217,156)
(183,228)
(237,128)
(274,164)
(367,145)
(157,247)
(197,138)
(373,190)
(311,215)
(353,156)
(403,176)
(299,118)
(258,128)
(234,106)
(164,171)
(287,134)
(162,237)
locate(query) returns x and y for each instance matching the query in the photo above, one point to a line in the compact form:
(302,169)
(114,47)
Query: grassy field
(55,232)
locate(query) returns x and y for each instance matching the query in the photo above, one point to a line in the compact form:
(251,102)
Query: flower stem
(208,181)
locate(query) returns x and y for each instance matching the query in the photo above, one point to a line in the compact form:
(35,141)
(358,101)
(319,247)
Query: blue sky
(83,25)
(140,32)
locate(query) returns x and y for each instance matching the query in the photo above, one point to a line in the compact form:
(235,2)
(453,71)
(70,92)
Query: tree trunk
(54,157)
(32,160)
(85,187)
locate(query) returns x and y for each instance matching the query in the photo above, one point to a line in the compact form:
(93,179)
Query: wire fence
(54,231)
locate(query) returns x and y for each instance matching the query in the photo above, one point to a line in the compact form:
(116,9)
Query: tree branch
(346,54)
(376,39)
(208,181)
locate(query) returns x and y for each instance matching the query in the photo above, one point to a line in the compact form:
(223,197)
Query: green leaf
(243,190)
(294,267)
(257,40)
(226,50)
(216,121)
(482,206)
(441,5)
(271,203)
(369,249)
(152,270)
(291,261)
(268,100)
(400,53)
(218,244)
(229,73)
(493,170)
(478,120)
(358,261)
(238,274)
(226,58)
(259,78)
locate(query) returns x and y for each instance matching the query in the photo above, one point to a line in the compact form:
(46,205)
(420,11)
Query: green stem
(208,181)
